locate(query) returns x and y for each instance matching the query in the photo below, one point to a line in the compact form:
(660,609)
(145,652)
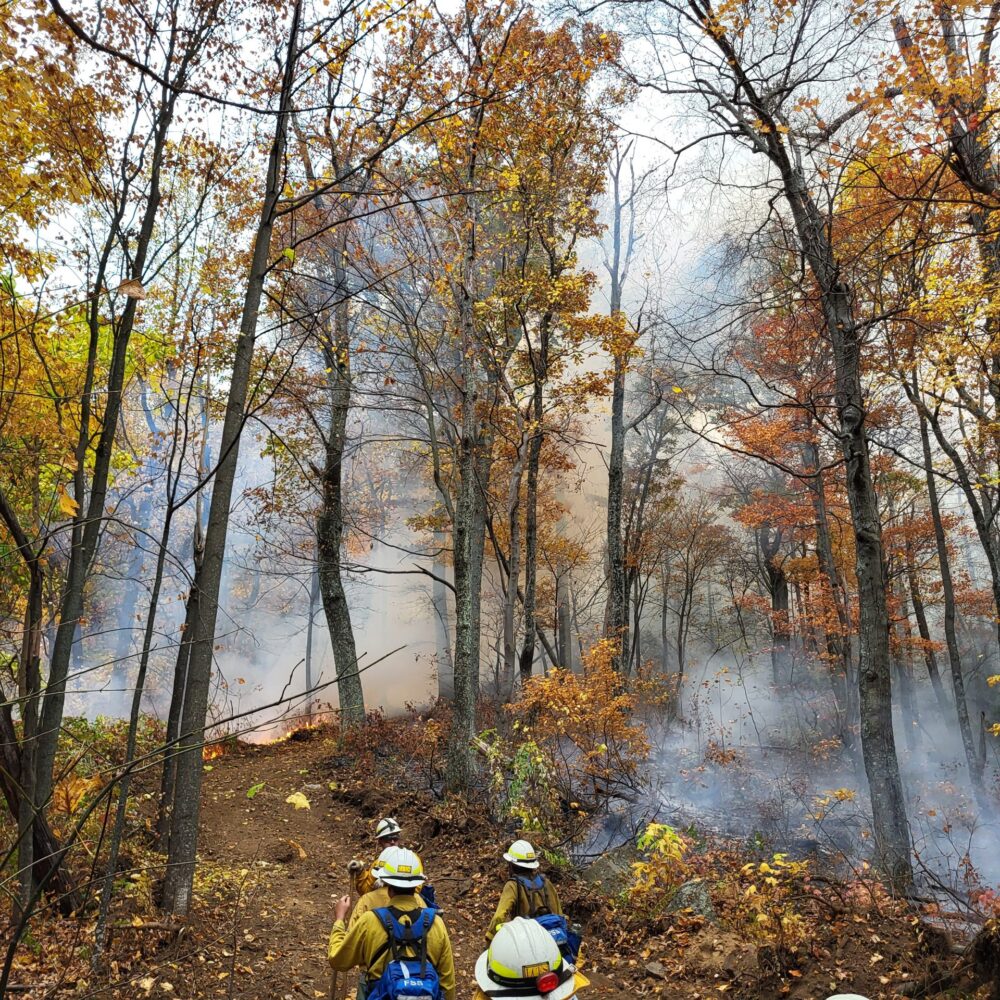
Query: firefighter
(523,962)
(527,893)
(379,896)
(403,938)
(387,834)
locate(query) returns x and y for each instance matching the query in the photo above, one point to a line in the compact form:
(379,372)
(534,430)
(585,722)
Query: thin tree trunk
(930,659)
(616,613)
(527,658)
(838,648)
(118,830)
(439,597)
(314,598)
(37,851)
(564,629)
(28,690)
(330,523)
(951,637)
(513,578)
(183,838)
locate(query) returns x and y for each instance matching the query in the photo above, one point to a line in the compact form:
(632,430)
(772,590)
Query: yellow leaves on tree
(582,724)
(766,902)
(663,868)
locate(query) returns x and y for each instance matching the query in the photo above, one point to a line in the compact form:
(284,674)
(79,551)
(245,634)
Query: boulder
(613,871)
(694,896)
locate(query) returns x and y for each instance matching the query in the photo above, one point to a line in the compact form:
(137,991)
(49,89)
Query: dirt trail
(276,947)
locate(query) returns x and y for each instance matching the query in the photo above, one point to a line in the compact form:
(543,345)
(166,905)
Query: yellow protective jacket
(364,880)
(515,902)
(374,900)
(359,946)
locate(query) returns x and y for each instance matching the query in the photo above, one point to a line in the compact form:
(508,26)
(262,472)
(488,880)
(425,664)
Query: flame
(212,750)
(284,729)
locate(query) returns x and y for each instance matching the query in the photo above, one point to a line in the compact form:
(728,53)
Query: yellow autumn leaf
(298,800)
(67,505)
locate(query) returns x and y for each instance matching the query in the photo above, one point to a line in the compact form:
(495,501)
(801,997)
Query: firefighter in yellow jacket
(524,963)
(527,893)
(377,897)
(366,943)
(387,834)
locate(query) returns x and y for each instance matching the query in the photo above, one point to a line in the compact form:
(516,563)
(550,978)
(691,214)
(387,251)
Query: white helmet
(399,867)
(847,996)
(387,827)
(377,867)
(524,961)
(522,854)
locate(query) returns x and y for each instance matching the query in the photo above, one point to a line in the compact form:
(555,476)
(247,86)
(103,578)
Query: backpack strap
(400,936)
(534,895)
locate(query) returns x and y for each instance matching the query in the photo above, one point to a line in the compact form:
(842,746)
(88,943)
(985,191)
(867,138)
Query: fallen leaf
(298,800)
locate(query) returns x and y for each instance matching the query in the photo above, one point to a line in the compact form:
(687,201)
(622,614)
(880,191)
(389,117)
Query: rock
(694,896)
(613,871)
(656,969)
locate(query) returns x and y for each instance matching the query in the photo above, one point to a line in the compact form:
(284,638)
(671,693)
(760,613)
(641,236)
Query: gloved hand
(355,866)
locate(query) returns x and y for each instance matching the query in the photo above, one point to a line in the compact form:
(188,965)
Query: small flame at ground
(213,750)
(287,729)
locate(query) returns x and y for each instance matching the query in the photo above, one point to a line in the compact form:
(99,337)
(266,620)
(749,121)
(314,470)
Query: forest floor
(269,874)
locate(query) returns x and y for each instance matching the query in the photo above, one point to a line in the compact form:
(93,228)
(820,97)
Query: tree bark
(439,597)
(186,806)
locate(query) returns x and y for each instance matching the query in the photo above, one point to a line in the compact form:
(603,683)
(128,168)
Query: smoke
(755,763)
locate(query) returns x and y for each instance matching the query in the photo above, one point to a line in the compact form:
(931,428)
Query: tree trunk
(930,659)
(616,612)
(118,829)
(330,523)
(527,658)
(29,688)
(439,597)
(951,637)
(513,578)
(564,630)
(891,829)
(470,543)
(186,806)
(46,851)
(838,648)
(314,598)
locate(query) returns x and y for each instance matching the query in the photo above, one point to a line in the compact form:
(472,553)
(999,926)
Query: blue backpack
(408,973)
(555,923)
